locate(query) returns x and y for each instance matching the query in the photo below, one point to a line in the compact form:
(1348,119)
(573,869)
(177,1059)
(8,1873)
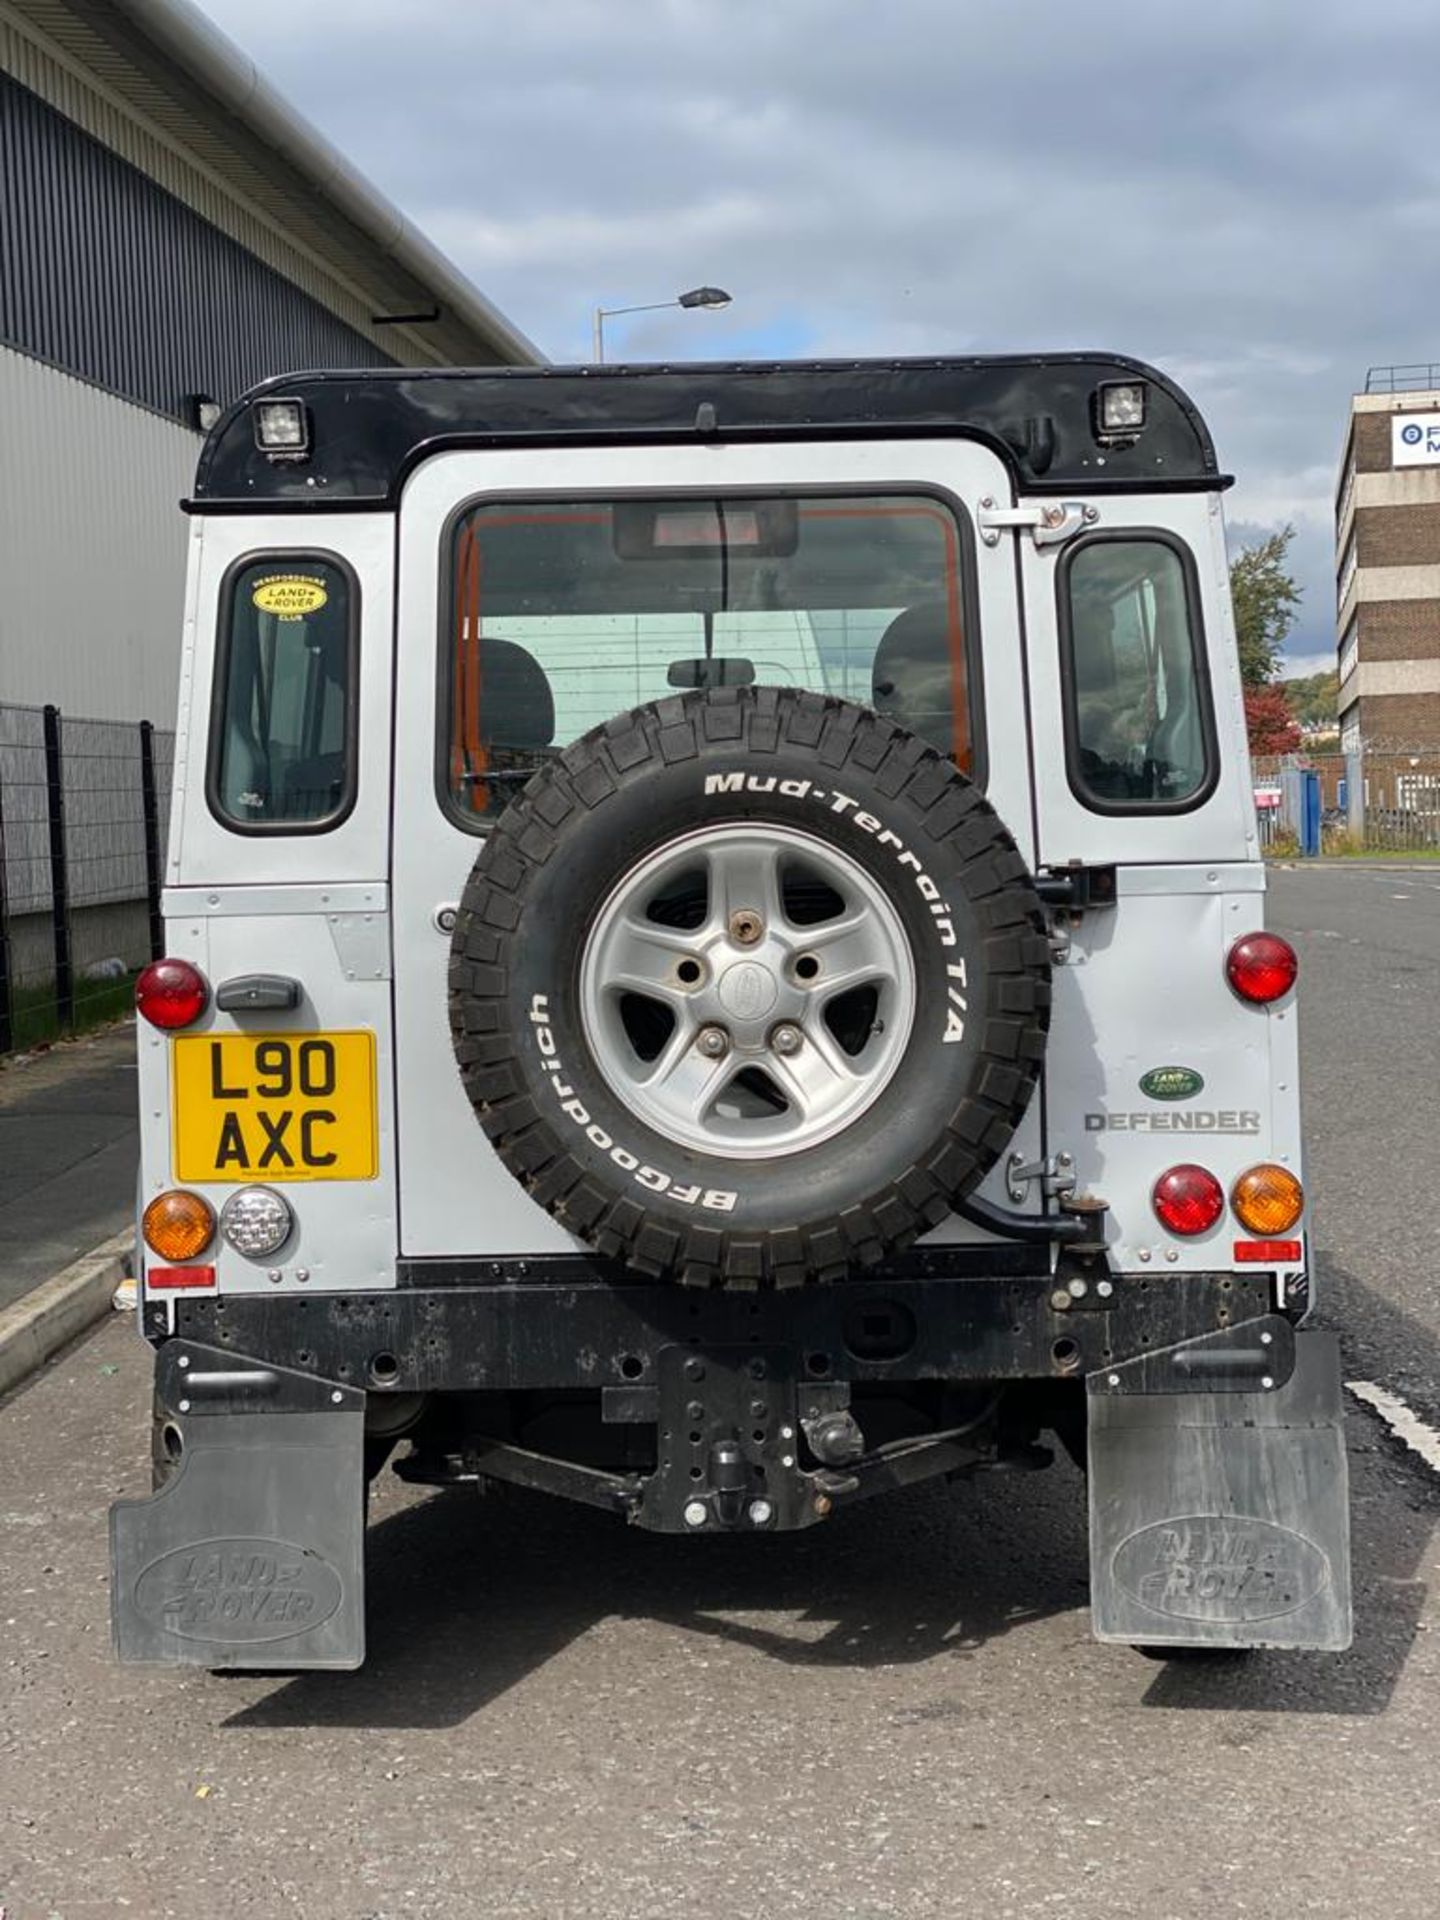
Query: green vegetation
(35,1019)
(1313,698)
(1266,600)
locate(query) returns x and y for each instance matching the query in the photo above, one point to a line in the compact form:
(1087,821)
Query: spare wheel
(749,987)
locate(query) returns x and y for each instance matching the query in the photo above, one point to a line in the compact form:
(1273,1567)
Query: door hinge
(1076,887)
(1049,524)
(1056,1174)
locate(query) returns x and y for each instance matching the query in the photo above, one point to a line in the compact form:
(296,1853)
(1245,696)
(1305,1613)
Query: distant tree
(1271,725)
(1266,600)
(1314,698)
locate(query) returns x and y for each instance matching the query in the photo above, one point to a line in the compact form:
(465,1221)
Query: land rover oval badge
(1171,1083)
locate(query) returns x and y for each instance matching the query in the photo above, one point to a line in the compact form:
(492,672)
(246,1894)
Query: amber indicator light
(178,1225)
(1268,1200)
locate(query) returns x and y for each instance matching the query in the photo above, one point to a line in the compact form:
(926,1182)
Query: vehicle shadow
(470,1594)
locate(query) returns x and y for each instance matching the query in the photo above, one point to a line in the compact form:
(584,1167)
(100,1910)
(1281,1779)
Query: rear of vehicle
(717,969)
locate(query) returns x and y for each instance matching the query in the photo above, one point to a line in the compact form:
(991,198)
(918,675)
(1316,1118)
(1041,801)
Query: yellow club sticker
(290,595)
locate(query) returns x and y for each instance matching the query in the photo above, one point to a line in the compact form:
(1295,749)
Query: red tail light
(1261,967)
(1188,1200)
(171,993)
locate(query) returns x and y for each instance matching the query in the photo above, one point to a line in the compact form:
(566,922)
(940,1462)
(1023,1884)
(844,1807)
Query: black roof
(1036,411)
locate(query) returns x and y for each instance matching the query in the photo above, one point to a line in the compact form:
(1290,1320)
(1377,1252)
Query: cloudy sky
(1246,192)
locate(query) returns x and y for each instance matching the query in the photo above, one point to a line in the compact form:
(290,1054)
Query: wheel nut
(761,1513)
(712,1042)
(696,1513)
(785,1038)
(746,927)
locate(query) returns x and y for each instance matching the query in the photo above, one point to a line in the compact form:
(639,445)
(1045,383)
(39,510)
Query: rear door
(277,877)
(1141,765)
(563,662)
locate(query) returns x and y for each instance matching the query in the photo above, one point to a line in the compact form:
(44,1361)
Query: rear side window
(566,613)
(282,742)
(1139,735)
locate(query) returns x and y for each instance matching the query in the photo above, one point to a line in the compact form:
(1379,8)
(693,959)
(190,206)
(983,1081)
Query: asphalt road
(900,1715)
(1369,946)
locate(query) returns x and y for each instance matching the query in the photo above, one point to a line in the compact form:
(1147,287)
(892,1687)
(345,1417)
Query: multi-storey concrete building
(1387,553)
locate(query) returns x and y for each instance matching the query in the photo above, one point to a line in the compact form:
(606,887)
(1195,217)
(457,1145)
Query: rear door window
(282,745)
(1139,732)
(566,613)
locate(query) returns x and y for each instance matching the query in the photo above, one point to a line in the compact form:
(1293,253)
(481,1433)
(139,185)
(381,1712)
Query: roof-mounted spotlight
(204,412)
(1120,409)
(282,428)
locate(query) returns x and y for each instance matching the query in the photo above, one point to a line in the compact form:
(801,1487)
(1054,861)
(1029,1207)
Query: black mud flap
(252,1554)
(1219,1509)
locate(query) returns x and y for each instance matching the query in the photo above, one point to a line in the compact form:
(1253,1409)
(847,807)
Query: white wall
(92,546)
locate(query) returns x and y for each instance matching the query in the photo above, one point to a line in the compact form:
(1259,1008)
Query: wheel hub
(747,990)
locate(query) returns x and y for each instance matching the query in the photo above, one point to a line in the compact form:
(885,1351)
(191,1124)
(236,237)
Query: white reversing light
(282,426)
(257,1222)
(1122,406)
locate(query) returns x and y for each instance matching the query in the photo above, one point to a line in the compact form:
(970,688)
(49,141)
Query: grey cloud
(1245,194)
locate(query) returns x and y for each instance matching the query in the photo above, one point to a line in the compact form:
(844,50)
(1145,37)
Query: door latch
(1049,524)
(1056,1174)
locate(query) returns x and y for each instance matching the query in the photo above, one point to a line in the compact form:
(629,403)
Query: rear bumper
(1218,1511)
(567,1324)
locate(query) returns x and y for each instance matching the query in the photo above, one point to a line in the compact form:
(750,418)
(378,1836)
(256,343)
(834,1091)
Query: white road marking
(1405,1425)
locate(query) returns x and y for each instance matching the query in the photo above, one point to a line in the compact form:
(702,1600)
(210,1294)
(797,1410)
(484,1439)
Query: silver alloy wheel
(742,1043)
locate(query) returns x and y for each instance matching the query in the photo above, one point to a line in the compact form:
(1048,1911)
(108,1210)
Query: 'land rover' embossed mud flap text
(252,1554)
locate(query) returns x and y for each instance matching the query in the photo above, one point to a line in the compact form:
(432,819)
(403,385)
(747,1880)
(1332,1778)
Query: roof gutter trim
(183,34)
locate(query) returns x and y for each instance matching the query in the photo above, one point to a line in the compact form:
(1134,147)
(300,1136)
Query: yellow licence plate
(275,1106)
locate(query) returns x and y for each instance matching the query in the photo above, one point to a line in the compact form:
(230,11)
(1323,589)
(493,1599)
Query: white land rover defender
(717,969)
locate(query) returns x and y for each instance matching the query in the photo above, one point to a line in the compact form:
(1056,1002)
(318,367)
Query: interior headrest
(517,707)
(910,678)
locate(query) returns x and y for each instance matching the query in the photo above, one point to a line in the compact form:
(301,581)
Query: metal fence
(1369,802)
(84,813)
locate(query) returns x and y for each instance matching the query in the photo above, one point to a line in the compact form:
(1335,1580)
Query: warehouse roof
(167,68)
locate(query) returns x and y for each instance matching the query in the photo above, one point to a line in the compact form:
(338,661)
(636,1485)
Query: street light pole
(695,297)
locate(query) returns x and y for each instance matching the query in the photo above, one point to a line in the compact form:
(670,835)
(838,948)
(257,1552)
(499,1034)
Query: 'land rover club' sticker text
(717,1200)
(958,1002)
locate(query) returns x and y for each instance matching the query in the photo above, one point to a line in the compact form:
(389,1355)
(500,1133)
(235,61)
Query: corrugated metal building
(170,233)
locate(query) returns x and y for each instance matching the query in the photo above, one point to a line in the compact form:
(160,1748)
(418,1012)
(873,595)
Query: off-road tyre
(782,758)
